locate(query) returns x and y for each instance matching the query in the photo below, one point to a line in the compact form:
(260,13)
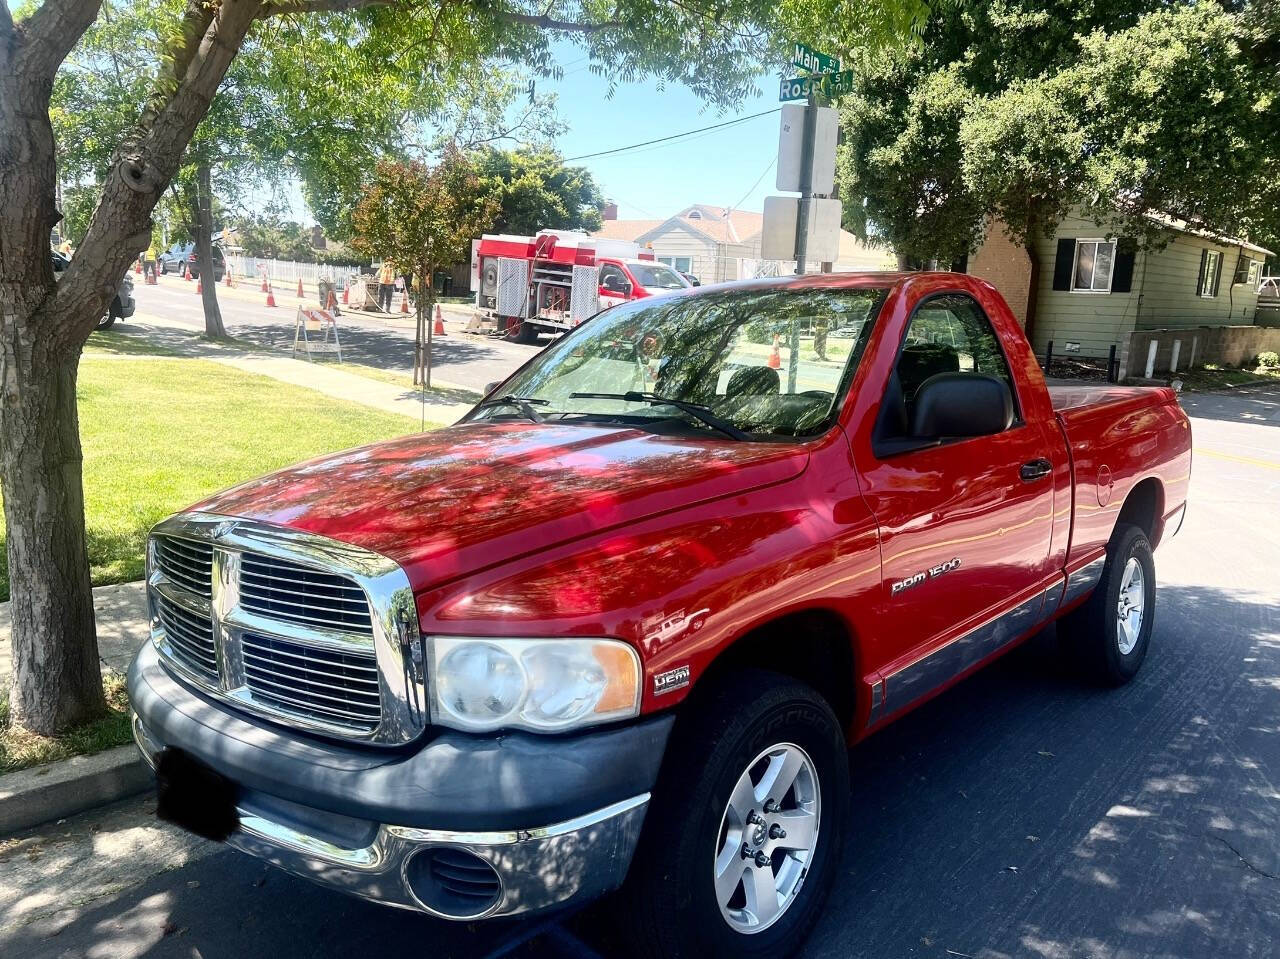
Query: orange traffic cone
(265,288)
(404,302)
(137,266)
(227,277)
(271,297)
(199,285)
(346,295)
(775,358)
(332,302)
(300,293)
(438,329)
(186,275)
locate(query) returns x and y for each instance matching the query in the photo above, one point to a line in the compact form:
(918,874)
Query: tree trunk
(213,327)
(56,681)
(1033,289)
(426,306)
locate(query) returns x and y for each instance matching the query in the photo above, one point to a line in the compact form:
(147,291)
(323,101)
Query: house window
(1209,277)
(1255,273)
(681,264)
(1095,260)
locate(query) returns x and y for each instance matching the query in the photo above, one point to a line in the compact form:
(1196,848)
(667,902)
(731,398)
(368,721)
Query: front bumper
(556,820)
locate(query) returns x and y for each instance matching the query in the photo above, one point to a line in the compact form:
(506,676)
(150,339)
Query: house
(717,244)
(1096,289)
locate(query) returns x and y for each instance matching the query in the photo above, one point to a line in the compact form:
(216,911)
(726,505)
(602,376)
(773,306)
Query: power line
(751,189)
(674,136)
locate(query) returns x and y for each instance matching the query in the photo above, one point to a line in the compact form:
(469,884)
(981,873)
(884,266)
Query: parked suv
(121,306)
(181,258)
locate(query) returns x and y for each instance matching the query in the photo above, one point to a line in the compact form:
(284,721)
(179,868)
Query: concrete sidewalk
(330,380)
(121,614)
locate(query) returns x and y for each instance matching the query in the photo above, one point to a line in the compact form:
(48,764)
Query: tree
(536,191)
(1022,113)
(44,325)
(423,218)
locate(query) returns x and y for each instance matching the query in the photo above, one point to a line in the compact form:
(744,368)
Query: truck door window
(612,279)
(947,334)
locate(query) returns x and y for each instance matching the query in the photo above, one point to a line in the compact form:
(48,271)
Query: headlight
(546,685)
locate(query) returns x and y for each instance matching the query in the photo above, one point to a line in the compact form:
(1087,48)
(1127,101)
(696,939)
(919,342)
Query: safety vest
(387,274)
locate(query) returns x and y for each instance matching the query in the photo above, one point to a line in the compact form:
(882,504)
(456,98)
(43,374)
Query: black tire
(526,333)
(669,902)
(163,268)
(107,322)
(1092,634)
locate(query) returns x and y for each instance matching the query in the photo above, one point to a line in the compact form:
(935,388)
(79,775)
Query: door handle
(1036,469)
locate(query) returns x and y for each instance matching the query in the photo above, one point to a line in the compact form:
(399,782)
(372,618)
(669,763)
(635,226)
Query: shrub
(1269,359)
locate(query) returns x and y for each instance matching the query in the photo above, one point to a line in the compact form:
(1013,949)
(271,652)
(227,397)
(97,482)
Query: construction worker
(820,327)
(386,285)
(65,247)
(149,259)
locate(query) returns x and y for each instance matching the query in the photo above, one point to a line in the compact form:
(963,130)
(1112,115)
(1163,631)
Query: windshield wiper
(698,412)
(524,404)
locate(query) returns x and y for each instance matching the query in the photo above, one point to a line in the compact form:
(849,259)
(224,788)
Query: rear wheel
(746,827)
(1109,635)
(526,333)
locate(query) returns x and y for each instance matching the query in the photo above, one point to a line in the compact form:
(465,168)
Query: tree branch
(281,7)
(544,22)
(51,31)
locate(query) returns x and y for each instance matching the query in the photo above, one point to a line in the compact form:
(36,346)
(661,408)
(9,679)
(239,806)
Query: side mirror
(490,387)
(961,405)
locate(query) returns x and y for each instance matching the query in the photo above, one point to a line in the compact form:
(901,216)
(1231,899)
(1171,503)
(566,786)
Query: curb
(54,791)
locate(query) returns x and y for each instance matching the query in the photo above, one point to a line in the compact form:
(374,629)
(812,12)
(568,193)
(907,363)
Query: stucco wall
(1004,265)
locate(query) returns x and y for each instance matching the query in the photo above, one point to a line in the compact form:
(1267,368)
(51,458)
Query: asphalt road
(1020,814)
(374,339)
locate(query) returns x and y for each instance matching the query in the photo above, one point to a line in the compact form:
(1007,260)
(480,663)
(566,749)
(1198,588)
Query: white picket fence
(288,272)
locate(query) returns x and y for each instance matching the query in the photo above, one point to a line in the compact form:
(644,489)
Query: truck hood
(446,503)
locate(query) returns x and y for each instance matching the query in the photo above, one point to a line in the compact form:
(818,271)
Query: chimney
(610,211)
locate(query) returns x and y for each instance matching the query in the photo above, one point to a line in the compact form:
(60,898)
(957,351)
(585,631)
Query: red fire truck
(551,282)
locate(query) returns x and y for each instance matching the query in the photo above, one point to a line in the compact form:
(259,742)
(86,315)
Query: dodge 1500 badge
(452,672)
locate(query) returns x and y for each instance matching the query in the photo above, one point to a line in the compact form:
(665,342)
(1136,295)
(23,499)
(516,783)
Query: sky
(732,166)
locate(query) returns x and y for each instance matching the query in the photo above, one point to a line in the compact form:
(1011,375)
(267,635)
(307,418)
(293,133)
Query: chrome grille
(306,630)
(300,594)
(190,638)
(185,563)
(331,685)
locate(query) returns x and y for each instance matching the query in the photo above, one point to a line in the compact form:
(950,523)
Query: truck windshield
(758,364)
(657,276)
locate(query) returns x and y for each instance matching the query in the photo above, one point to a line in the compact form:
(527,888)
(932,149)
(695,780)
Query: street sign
(829,85)
(791,150)
(822,236)
(807,58)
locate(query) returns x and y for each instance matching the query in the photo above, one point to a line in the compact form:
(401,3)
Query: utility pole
(806,181)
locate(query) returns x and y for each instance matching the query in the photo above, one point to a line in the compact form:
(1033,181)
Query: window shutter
(1204,259)
(1122,273)
(1065,264)
(1217,277)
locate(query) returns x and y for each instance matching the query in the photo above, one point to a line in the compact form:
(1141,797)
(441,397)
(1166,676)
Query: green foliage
(1023,111)
(1269,359)
(536,191)
(421,217)
(271,237)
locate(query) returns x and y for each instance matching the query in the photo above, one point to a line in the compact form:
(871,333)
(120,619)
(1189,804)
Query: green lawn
(1213,377)
(159,434)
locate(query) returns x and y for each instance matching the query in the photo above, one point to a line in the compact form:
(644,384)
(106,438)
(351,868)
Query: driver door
(965,536)
(615,287)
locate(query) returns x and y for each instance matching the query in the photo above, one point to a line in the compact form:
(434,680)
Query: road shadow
(1250,405)
(1023,813)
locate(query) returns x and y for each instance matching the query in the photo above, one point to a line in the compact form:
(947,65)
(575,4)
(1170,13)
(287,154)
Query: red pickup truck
(618,626)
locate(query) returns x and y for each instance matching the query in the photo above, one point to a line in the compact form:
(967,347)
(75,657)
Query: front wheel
(746,828)
(1109,635)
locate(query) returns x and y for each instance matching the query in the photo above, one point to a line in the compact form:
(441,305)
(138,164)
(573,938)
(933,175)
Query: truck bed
(1117,437)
